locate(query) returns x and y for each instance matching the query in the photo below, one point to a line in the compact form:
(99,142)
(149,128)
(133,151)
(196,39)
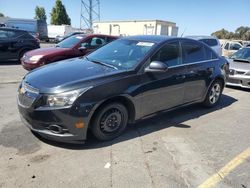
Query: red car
(74,46)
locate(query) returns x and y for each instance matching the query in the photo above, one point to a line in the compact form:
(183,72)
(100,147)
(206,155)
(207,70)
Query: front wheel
(110,121)
(214,94)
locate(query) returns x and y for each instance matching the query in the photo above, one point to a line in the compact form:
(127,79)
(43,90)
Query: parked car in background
(60,38)
(239,68)
(74,46)
(59,31)
(37,28)
(121,82)
(230,47)
(14,43)
(211,41)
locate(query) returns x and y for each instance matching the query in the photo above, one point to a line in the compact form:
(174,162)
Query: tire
(214,94)
(110,121)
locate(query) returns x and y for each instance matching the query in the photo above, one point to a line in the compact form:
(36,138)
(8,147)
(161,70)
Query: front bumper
(40,122)
(29,66)
(242,81)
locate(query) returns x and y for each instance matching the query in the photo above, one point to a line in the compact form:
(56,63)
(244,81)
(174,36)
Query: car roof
(11,29)
(199,37)
(150,38)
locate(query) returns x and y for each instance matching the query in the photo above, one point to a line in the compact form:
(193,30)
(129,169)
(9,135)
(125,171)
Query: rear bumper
(238,81)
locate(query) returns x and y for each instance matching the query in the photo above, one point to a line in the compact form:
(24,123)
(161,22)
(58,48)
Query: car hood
(238,65)
(68,75)
(46,51)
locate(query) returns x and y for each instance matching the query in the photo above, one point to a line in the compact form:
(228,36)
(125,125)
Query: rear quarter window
(210,42)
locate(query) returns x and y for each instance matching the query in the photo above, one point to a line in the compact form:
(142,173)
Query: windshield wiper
(101,63)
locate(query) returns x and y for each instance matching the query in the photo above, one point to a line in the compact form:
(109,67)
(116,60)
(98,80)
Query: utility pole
(90,12)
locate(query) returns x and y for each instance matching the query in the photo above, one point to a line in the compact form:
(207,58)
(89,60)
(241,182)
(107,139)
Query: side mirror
(156,66)
(82,48)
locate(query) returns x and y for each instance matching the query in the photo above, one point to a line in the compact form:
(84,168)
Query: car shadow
(156,123)
(239,88)
(14,62)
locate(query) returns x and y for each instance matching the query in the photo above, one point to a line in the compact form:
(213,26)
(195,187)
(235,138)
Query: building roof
(115,21)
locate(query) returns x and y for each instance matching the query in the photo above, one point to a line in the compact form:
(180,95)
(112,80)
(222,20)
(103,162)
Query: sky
(193,17)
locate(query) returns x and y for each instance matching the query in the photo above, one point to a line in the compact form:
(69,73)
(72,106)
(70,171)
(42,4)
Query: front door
(164,90)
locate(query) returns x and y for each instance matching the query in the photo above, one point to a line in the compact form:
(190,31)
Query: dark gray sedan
(239,68)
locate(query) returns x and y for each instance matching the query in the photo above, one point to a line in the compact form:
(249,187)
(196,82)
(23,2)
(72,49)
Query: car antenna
(183,32)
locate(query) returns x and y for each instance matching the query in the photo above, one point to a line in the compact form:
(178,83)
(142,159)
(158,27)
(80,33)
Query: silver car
(239,68)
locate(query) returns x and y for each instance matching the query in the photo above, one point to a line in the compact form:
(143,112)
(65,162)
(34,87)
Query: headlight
(65,99)
(36,57)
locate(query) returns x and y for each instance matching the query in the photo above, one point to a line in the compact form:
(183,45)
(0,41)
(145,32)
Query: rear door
(164,90)
(199,61)
(4,45)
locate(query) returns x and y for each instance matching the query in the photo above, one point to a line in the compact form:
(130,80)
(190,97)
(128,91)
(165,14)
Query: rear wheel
(110,121)
(214,94)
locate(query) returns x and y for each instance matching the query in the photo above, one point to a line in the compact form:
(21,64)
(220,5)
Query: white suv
(211,41)
(230,47)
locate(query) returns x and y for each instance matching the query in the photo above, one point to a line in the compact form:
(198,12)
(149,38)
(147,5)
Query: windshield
(122,54)
(243,54)
(70,42)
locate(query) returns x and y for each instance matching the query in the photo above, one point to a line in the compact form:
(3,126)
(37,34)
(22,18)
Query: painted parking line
(223,172)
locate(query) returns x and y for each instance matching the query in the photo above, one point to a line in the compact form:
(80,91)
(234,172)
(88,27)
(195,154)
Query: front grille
(27,95)
(240,72)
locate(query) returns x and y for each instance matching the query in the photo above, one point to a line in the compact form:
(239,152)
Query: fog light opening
(55,129)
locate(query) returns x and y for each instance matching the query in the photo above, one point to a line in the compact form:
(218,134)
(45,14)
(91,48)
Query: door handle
(180,77)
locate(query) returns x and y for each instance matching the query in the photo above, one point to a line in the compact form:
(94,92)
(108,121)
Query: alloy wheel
(215,93)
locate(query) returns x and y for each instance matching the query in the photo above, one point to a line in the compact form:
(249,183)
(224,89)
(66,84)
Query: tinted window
(226,46)
(210,54)
(210,42)
(169,54)
(3,34)
(235,46)
(193,52)
(110,39)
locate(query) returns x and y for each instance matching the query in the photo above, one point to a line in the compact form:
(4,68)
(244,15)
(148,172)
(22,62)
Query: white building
(136,27)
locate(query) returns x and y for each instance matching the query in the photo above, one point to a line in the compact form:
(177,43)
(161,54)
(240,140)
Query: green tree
(40,13)
(59,14)
(241,32)
(1,14)
(221,34)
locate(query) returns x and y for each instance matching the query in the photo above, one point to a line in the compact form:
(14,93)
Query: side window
(235,46)
(93,43)
(169,54)
(109,39)
(210,42)
(210,54)
(3,34)
(11,34)
(193,52)
(226,47)
(97,41)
